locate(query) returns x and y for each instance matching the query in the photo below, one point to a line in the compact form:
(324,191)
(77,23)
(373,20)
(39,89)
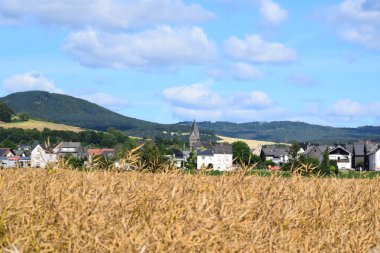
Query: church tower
(194,140)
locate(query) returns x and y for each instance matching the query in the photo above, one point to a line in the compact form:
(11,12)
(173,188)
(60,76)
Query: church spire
(194,140)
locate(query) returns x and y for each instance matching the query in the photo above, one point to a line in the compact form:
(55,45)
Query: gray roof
(275,152)
(3,151)
(206,152)
(194,131)
(350,148)
(223,149)
(316,151)
(359,148)
(70,144)
(371,148)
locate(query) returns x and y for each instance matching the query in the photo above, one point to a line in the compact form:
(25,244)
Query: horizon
(169,61)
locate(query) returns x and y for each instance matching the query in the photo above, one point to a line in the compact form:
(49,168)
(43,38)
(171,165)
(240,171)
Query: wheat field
(69,211)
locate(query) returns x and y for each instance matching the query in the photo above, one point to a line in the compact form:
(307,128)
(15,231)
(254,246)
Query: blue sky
(219,60)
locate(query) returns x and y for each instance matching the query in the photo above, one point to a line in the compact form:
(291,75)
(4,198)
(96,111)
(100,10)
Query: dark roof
(207,152)
(341,148)
(371,148)
(3,151)
(223,149)
(316,151)
(350,148)
(359,148)
(19,152)
(275,152)
(177,153)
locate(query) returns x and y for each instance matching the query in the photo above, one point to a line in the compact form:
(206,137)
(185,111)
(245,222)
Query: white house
(41,157)
(374,159)
(278,155)
(220,158)
(342,156)
(205,158)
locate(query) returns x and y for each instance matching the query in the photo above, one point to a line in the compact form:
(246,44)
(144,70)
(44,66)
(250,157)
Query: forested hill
(78,112)
(287,131)
(71,111)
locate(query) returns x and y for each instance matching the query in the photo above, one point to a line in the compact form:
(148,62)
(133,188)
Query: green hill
(72,111)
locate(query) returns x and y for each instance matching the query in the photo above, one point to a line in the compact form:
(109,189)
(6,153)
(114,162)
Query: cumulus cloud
(113,14)
(357,21)
(254,49)
(271,12)
(106,100)
(162,48)
(29,81)
(204,103)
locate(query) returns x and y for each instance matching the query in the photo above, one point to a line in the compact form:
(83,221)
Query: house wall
(340,157)
(204,161)
(39,158)
(222,162)
(374,161)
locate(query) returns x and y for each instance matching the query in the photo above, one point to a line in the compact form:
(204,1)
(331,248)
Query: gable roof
(104,151)
(223,149)
(341,148)
(275,152)
(315,151)
(5,151)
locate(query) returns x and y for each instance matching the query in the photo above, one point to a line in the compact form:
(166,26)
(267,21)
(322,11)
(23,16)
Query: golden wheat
(69,211)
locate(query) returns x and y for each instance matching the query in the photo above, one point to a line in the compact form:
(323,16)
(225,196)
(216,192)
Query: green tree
(325,164)
(24,116)
(8,144)
(241,152)
(5,113)
(191,162)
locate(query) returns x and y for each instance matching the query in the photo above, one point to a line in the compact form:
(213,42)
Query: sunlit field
(69,211)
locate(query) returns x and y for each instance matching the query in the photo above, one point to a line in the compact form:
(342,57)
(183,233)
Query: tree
(191,162)
(325,164)
(5,113)
(241,152)
(293,150)
(8,144)
(24,116)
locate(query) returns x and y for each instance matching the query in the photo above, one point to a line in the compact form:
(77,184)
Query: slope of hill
(39,125)
(71,111)
(286,131)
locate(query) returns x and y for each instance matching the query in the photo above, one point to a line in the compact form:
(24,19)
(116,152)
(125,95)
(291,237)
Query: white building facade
(220,158)
(374,160)
(342,157)
(40,158)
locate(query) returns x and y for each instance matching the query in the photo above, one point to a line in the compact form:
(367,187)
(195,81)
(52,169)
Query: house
(107,152)
(257,150)
(178,158)
(6,152)
(41,157)
(73,149)
(342,156)
(278,155)
(223,157)
(220,158)
(315,151)
(205,158)
(359,155)
(374,158)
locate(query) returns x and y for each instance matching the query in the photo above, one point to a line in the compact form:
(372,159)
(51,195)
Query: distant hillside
(77,112)
(286,131)
(39,125)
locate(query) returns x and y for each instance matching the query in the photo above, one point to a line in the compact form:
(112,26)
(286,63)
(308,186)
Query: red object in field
(274,168)
(14,158)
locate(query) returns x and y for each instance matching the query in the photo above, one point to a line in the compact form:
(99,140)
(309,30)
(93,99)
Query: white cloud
(160,48)
(104,13)
(272,12)
(106,100)
(254,49)
(244,71)
(357,21)
(202,102)
(29,81)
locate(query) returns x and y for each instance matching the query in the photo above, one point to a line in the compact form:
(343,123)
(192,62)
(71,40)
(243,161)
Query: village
(360,156)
